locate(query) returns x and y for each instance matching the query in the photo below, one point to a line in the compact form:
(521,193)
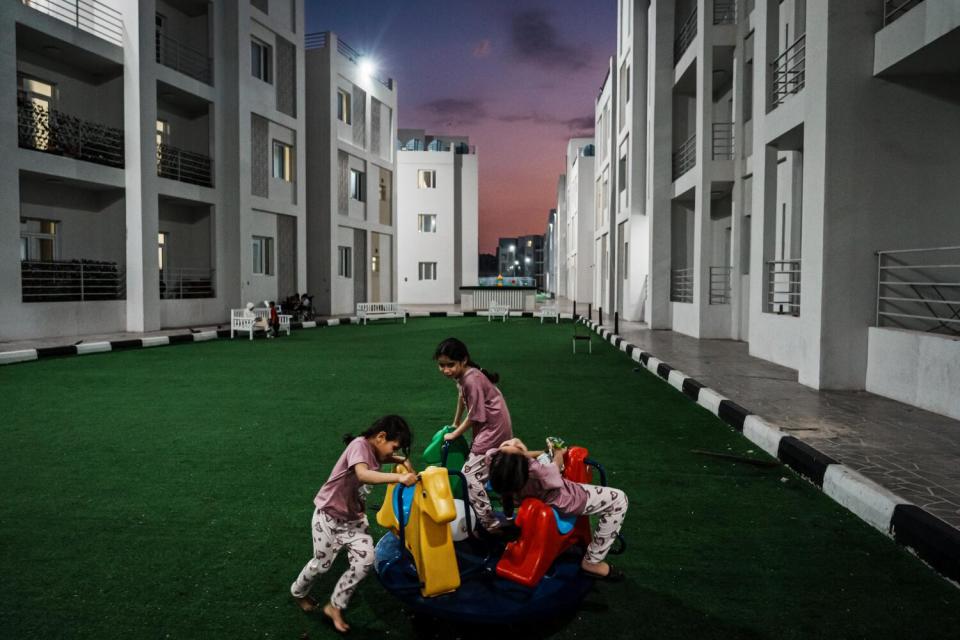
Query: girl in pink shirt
(487,417)
(514,471)
(339,519)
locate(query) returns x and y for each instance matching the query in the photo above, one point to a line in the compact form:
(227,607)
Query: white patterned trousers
(611,505)
(329,536)
(476,473)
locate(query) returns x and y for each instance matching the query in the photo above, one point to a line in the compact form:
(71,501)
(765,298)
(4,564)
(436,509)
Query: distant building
(351,201)
(550,254)
(487,265)
(437,217)
(579,224)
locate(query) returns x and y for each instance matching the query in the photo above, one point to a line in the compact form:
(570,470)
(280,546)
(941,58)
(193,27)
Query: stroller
(303,310)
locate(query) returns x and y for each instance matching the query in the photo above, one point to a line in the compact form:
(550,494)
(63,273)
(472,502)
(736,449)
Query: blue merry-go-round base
(483,597)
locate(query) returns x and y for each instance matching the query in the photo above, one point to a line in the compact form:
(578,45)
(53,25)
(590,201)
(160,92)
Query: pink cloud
(481,49)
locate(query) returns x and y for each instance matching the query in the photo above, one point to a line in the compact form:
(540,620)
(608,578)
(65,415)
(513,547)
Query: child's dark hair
(395,427)
(508,472)
(456,350)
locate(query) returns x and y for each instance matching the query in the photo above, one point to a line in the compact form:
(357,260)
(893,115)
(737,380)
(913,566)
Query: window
(162,242)
(358,185)
(38,239)
(383,190)
(343,106)
(262,256)
(626,260)
(427,223)
(282,161)
(426,179)
(261,60)
(622,174)
(345,262)
(428,271)
(39,95)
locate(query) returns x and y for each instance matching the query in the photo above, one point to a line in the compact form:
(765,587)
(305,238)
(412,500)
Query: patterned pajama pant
(329,536)
(611,505)
(476,473)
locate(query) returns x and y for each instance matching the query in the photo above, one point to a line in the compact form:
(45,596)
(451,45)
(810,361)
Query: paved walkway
(912,452)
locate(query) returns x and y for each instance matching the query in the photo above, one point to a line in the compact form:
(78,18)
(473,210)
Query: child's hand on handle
(450,437)
(408,479)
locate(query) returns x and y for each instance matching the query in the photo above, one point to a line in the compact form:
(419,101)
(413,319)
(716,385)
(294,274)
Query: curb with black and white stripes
(932,539)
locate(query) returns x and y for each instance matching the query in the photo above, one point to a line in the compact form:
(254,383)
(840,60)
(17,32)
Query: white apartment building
(560,228)
(797,188)
(437,217)
(604,278)
(550,245)
(153,173)
(351,165)
(580,220)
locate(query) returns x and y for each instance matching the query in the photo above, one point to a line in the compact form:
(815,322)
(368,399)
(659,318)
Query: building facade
(437,217)
(779,175)
(550,252)
(154,175)
(580,220)
(351,168)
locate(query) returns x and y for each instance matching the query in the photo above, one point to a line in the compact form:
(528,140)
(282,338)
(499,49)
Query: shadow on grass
(650,615)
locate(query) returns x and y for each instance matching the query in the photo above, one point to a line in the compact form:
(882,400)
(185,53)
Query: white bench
(498,310)
(240,320)
(550,311)
(374,310)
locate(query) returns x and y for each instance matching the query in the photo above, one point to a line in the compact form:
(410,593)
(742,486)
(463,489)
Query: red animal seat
(527,559)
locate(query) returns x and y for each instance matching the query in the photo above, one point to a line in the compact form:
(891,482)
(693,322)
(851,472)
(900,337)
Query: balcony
(186,284)
(722,141)
(686,35)
(52,131)
(681,285)
(724,12)
(74,280)
(919,290)
(91,16)
(188,61)
(685,157)
(789,71)
(720,285)
(894,9)
(185,166)
(783,287)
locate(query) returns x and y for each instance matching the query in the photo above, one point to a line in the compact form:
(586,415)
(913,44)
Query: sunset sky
(519,77)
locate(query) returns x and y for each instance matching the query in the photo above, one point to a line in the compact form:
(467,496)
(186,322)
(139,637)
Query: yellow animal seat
(427,533)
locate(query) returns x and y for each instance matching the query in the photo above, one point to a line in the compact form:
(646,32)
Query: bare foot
(336,617)
(306,603)
(598,569)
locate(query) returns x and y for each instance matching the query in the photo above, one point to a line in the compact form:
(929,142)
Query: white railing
(720,285)
(184,166)
(790,71)
(686,34)
(179,284)
(685,157)
(783,287)
(187,60)
(681,285)
(77,280)
(919,289)
(480,298)
(723,141)
(87,15)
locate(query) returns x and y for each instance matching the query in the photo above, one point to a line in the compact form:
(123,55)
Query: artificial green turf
(167,492)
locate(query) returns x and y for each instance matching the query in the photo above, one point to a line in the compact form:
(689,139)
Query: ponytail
(457,351)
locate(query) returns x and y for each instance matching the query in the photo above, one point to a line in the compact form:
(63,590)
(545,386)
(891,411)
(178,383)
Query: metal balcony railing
(724,11)
(720,285)
(723,141)
(188,61)
(75,280)
(183,284)
(893,9)
(319,40)
(685,157)
(185,166)
(789,71)
(686,34)
(681,285)
(919,289)
(52,131)
(783,287)
(91,16)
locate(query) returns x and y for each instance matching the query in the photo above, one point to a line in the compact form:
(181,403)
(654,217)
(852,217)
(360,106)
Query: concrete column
(9,175)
